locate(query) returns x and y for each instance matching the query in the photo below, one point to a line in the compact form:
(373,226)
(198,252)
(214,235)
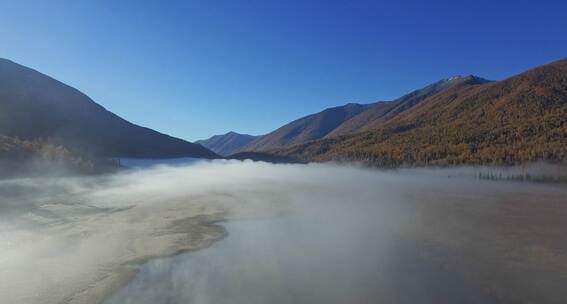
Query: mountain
(517,120)
(350,118)
(36,106)
(382,111)
(226,144)
(310,127)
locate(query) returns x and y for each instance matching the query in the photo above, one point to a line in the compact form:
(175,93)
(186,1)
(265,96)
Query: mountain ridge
(36,106)
(359,117)
(382,111)
(226,144)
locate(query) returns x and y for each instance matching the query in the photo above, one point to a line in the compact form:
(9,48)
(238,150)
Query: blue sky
(198,68)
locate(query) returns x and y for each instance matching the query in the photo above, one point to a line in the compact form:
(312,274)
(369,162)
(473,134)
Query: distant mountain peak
(226,144)
(471,79)
(456,77)
(353,104)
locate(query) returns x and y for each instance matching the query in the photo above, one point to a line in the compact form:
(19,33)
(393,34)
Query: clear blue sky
(197,68)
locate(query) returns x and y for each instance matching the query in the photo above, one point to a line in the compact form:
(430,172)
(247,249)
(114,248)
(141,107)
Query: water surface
(359,236)
(342,255)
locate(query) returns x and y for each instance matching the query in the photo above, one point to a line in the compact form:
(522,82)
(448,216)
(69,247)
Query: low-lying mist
(294,234)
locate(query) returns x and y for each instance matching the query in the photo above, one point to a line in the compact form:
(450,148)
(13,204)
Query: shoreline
(123,275)
(83,254)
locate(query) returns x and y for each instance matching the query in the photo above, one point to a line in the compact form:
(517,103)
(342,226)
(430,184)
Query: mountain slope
(33,105)
(37,157)
(307,128)
(226,144)
(349,119)
(382,111)
(517,120)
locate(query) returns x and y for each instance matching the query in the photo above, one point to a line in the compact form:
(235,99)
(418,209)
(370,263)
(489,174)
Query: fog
(279,234)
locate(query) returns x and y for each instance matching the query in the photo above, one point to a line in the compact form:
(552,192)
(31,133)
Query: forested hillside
(381,112)
(32,157)
(517,120)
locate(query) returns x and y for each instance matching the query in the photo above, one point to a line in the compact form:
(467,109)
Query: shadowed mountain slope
(517,120)
(36,106)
